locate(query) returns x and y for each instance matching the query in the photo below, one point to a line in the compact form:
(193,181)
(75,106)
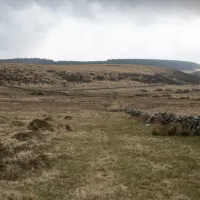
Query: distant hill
(123,75)
(173,64)
(197,74)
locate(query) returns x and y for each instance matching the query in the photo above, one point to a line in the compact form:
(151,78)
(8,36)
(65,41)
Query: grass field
(106,154)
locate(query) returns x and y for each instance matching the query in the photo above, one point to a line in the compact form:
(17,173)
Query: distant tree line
(174,64)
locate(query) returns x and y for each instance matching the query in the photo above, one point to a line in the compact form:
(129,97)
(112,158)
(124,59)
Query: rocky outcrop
(190,123)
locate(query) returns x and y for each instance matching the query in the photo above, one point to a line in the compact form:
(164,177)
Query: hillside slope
(55,75)
(173,64)
(196,74)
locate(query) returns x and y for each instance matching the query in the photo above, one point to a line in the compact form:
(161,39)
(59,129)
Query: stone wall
(190,123)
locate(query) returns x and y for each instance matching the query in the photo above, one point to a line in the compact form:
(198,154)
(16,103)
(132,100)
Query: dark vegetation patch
(37,93)
(68,117)
(178,91)
(159,90)
(48,119)
(186,91)
(166,95)
(30,75)
(143,90)
(73,77)
(185,98)
(24,136)
(168,90)
(68,128)
(99,78)
(141,95)
(39,124)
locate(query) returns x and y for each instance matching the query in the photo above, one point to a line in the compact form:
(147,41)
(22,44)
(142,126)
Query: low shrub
(168,90)
(166,95)
(159,90)
(24,136)
(185,98)
(99,78)
(68,128)
(68,117)
(186,91)
(143,90)
(39,124)
(178,91)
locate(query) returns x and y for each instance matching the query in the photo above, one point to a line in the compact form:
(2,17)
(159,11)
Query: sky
(100,29)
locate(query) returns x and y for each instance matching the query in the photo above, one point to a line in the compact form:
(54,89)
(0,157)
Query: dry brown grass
(105,155)
(170,130)
(90,68)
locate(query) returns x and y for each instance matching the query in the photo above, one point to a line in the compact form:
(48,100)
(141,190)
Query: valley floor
(95,151)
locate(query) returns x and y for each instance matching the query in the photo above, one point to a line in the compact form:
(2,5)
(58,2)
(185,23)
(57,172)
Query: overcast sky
(100,29)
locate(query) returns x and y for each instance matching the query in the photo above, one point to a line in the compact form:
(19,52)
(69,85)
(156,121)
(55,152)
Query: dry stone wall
(191,123)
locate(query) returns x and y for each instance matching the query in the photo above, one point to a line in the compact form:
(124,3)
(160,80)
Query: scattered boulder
(39,124)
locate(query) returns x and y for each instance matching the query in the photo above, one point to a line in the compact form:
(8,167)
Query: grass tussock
(37,93)
(27,135)
(68,117)
(159,90)
(169,130)
(39,124)
(18,123)
(17,158)
(14,195)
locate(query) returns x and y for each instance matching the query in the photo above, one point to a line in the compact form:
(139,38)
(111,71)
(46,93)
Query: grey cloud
(25,24)
(176,6)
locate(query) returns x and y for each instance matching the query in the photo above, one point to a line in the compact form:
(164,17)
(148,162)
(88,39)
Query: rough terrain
(76,141)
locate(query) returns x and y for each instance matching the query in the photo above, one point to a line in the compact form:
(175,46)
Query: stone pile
(190,123)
